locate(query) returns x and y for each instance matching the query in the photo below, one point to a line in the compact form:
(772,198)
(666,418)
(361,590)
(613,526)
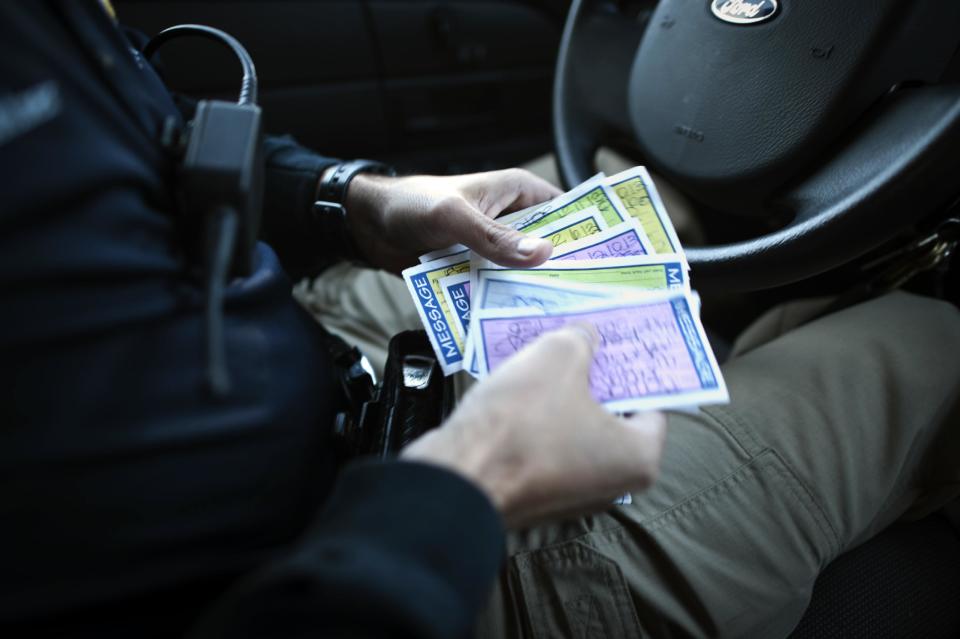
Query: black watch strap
(329,208)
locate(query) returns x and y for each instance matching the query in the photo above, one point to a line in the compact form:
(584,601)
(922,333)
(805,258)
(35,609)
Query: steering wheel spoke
(595,67)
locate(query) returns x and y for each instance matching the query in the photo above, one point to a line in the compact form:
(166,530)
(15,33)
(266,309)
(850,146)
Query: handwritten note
(641,271)
(594,195)
(504,290)
(622,240)
(636,191)
(617,264)
(652,354)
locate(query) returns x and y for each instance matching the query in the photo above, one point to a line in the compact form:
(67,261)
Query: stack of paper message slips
(617,264)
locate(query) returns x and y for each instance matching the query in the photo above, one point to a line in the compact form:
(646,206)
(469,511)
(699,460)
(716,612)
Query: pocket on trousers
(572,591)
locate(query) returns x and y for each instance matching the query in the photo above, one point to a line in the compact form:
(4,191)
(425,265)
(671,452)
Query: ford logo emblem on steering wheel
(744,11)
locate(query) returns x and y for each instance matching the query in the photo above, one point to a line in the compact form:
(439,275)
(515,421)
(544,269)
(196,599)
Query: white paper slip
(514,290)
(571,228)
(503,289)
(631,193)
(456,289)
(640,272)
(574,226)
(520,219)
(653,353)
(437,315)
(638,194)
(623,240)
(655,272)
(444,252)
(509,290)
(593,192)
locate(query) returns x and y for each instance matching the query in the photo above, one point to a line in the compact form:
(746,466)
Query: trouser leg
(835,430)
(365,307)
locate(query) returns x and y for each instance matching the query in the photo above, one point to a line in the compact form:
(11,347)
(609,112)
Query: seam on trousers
(809,499)
(769,465)
(582,608)
(742,434)
(738,476)
(806,497)
(676,511)
(690,504)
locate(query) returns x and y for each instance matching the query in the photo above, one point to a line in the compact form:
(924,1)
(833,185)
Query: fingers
(573,345)
(467,217)
(614,456)
(498,243)
(569,349)
(644,434)
(581,342)
(497,192)
(530,189)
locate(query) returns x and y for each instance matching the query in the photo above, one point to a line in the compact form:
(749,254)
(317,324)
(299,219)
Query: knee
(922,336)
(924,322)
(921,311)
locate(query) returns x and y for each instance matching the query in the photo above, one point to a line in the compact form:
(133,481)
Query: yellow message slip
(638,194)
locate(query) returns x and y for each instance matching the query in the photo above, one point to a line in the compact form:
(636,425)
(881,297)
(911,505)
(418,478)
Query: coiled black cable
(248,85)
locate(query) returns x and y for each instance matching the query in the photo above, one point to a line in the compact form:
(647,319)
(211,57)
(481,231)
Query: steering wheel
(835,122)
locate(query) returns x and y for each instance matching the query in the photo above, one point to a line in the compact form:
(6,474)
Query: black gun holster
(413,398)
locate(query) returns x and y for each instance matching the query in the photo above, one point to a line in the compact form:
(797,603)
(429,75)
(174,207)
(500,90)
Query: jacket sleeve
(288,223)
(290,184)
(400,550)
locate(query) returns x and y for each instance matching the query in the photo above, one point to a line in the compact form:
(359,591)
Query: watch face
(325,209)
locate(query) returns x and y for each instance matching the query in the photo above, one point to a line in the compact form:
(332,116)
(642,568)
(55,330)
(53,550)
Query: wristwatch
(329,208)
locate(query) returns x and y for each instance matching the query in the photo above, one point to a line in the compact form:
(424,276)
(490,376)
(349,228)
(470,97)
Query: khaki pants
(836,428)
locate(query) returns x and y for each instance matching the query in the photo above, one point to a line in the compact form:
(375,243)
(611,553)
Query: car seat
(905,582)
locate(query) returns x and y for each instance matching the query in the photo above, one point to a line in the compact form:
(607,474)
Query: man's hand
(536,442)
(393,220)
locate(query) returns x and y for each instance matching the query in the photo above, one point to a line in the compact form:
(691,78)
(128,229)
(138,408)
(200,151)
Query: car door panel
(440,86)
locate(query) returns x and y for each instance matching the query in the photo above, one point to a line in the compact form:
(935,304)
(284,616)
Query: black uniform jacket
(132,504)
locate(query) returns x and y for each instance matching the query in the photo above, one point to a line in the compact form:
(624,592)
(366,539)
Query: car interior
(818,151)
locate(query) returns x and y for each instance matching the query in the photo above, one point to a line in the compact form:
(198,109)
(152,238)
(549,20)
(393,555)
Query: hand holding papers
(617,265)
(575,457)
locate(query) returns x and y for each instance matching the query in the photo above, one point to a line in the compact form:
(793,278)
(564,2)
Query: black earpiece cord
(222,234)
(221,221)
(248,85)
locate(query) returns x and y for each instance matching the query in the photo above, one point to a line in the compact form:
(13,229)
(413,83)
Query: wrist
(479,464)
(365,199)
(365,196)
(346,201)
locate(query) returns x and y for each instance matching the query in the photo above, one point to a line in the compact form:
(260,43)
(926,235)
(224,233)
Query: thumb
(582,358)
(644,435)
(570,348)
(502,244)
